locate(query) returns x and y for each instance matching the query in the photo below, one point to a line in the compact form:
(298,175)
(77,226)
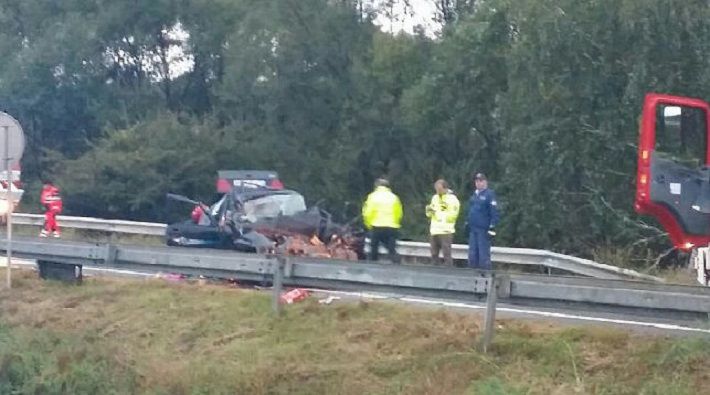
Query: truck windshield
(681,135)
(274,205)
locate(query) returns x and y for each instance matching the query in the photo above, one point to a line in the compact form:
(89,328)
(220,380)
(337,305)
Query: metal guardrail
(103,225)
(517,256)
(441,282)
(533,257)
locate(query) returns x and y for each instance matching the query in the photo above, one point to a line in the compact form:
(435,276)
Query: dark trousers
(441,243)
(388,237)
(479,249)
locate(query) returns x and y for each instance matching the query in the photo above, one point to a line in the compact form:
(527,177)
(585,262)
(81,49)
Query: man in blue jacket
(481,221)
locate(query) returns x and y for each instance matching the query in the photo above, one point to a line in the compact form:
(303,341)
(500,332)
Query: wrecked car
(266,220)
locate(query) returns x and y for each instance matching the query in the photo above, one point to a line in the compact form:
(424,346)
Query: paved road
(565,317)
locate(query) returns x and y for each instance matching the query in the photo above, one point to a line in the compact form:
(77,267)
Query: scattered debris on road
(313,247)
(172,277)
(294,296)
(329,300)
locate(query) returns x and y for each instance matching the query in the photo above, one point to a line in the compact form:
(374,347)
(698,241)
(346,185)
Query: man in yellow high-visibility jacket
(443,212)
(382,216)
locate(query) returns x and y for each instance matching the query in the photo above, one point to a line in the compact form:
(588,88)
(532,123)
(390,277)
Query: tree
(544,96)
(578,74)
(170,155)
(452,113)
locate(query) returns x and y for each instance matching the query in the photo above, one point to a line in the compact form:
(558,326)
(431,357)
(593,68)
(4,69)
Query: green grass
(153,337)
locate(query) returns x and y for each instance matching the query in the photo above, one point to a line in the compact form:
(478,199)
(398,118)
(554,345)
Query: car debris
(269,221)
(228,179)
(293,296)
(171,277)
(301,245)
(329,300)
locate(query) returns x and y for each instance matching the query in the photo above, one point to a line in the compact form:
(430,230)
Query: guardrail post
(278,284)
(110,252)
(490,320)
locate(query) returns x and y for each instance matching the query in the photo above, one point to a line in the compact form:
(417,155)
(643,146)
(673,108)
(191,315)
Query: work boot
(43,233)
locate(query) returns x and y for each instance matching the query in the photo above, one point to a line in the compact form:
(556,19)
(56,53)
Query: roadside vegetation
(153,337)
(122,104)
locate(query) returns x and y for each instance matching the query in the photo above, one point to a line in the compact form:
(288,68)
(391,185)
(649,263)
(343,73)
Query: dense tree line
(543,95)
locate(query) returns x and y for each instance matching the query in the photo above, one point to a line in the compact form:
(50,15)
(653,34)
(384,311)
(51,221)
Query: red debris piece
(294,296)
(172,277)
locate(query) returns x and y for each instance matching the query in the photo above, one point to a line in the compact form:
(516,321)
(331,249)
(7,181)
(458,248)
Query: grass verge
(152,337)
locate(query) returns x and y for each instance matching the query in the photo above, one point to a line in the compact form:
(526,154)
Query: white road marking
(25,262)
(120,271)
(15,262)
(546,314)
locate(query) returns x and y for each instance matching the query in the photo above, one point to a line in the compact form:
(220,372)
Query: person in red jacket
(52,202)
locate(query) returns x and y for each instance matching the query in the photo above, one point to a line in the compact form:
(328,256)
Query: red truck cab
(673,176)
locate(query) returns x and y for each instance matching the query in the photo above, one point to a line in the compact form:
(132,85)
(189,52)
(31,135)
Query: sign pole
(8,198)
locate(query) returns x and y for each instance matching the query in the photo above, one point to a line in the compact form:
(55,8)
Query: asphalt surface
(555,317)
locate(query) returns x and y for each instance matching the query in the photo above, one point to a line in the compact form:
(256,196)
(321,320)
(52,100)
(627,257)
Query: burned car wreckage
(265,220)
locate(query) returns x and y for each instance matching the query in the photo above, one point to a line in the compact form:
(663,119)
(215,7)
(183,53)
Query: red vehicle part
(647,182)
(293,296)
(196,214)
(228,179)
(16,177)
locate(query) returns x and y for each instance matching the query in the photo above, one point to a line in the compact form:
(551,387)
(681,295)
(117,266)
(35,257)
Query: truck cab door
(673,177)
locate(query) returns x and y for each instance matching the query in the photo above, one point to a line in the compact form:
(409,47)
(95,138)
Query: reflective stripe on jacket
(51,199)
(443,211)
(382,209)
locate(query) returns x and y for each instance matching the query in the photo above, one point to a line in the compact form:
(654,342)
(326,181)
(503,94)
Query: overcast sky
(402,19)
(420,12)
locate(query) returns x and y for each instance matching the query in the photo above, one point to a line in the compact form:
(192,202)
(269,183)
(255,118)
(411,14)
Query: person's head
(47,181)
(381,182)
(441,186)
(480,181)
